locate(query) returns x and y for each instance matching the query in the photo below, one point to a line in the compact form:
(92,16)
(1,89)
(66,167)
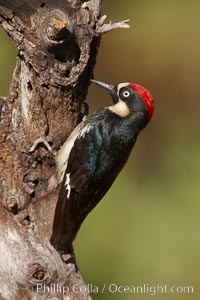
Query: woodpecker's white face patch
(121,109)
(67,184)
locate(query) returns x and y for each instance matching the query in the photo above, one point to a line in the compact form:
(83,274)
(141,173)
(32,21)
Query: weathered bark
(57,43)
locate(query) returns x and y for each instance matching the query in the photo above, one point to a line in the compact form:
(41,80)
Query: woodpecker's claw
(40,140)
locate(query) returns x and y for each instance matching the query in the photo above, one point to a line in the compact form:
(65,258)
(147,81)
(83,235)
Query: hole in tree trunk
(29,86)
(26,220)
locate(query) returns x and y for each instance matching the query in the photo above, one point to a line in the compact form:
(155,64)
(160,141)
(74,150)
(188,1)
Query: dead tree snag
(57,44)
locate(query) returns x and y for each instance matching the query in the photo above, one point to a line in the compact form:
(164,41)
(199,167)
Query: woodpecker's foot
(40,140)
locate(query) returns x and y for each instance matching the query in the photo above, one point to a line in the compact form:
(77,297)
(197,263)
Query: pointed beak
(110,88)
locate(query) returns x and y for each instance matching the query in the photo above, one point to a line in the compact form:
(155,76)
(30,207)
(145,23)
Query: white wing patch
(85,130)
(64,152)
(67,184)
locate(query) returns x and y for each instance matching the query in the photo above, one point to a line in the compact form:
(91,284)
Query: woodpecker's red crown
(145,96)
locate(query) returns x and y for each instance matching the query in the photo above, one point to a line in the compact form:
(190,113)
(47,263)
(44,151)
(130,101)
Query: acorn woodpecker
(94,154)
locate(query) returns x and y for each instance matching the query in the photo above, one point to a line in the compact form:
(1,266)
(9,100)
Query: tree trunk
(57,43)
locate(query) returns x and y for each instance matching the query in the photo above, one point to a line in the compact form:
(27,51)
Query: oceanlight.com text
(113,288)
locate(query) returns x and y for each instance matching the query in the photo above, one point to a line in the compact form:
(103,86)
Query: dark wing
(74,197)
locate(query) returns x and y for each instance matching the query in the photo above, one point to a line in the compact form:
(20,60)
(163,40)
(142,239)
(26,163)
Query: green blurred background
(146,230)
